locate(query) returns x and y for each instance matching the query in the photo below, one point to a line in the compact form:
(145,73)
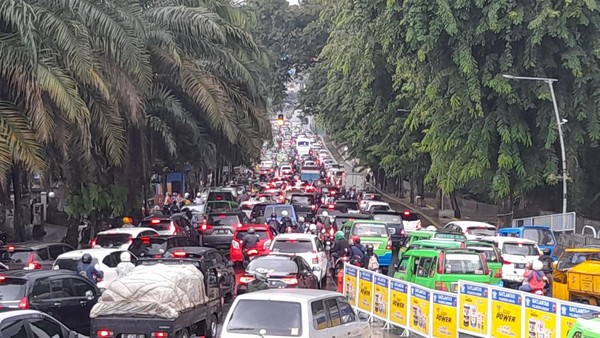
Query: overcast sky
(293,2)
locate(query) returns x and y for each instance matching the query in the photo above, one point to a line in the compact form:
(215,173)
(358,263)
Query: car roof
(504,239)
(8,313)
(365,221)
(32,246)
(132,231)
(289,294)
(192,249)
(295,236)
(27,274)
(468,224)
(100,252)
(227,213)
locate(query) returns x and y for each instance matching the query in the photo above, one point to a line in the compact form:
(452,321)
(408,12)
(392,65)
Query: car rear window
(220,196)
(370,230)
(388,218)
(347,205)
(409,216)
(70,263)
(445,235)
(17,256)
(463,264)
(306,200)
(12,289)
(262,234)
(372,197)
(148,246)
(223,220)
(278,210)
(293,246)
(110,240)
(250,316)
(379,208)
(480,231)
(157,224)
(520,249)
(277,267)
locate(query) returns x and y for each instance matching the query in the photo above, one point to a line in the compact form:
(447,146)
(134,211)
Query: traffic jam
(262,256)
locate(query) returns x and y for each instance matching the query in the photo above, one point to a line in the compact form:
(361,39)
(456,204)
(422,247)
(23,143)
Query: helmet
(339,235)
(312,228)
(251,231)
(537,265)
(369,248)
(273,215)
(301,219)
(261,274)
(186,195)
(86,258)
(355,239)
(199,195)
(284,213)
(127,220)
(325,214)
(125,257)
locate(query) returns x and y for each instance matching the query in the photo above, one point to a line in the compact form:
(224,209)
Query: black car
(286,271)
(32,256)
(213,258)
(258,211)
(156,246)
(65,295)
(221,195)
(219,228)
(15,323)
(393,219)
(347,205)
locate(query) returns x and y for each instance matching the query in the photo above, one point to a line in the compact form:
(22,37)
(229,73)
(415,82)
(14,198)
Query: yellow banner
(506,314)
(540,317)
(444,315)
(420,301)
(474,309)
(398,302)
(380,308)
(365,285)
(569,314)
(350,277)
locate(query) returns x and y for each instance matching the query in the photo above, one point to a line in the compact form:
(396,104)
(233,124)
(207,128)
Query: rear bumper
(219,242)
(385,259)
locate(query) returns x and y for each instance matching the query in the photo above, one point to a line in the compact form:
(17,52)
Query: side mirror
(89,295)
(363,316)
(316,269)
(547,251)
(73,334)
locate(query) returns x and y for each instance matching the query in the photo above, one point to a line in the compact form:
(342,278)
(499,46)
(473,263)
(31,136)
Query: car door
(350,324)
(322,258)
(61,302)
(41,298)
(14,329)
(320,319)
(335,319)
(44,327)
(85,296)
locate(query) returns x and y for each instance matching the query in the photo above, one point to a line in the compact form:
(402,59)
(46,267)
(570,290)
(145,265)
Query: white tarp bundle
(153,290)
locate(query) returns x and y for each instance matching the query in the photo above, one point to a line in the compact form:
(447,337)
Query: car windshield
(370,230)
(17,256)
(540,236)
(464,264)
(110,240)
(388,218)
(292,246)
(305,200)
(520,249)
(251,316)
(156,224)
(279,209)
(276,267)
(12,289)
(223,220)
(480,231)
(262,234)
(570,259)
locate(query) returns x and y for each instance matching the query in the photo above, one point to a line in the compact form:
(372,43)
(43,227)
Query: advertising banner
(474,309)
(569,312)
(540,317)
(382,290)
(444,314)
(350,284)
(420,304)
(398,303)
(506,314)
(365,287)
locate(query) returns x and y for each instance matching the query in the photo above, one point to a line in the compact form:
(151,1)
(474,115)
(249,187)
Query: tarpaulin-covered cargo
(158,290)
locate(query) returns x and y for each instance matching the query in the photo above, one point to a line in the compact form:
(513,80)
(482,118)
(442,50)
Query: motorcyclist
(325,219)
(286,221)
(274,224)
(260,282)
(127,222)
(358,251)
(371,260)
(301,227)
(125,267)
(312,229)
(88,270)
(249,241)
(534,277)
(198,199)
(341,247)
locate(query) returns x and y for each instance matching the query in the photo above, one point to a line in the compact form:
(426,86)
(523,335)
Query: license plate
(222,232)
(519,265)
(132,335)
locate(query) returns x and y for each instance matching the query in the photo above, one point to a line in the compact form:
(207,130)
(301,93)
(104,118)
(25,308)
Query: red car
(262,230)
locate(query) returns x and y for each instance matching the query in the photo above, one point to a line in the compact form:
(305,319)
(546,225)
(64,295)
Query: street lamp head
(51,194)
(508,76)
(563,121)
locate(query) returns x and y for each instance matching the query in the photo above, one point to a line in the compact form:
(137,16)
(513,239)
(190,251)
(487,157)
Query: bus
(303,146)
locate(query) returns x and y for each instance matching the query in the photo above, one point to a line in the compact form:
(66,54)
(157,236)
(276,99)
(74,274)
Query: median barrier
(479,310)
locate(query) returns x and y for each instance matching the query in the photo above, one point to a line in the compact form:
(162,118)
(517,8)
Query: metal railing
(555,221)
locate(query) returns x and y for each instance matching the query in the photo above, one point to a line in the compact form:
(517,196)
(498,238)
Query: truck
(159,300)
(355,180)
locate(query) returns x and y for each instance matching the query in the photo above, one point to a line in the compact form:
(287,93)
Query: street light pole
(559,123)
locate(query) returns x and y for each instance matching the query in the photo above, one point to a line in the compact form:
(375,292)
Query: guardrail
(476,309)
(555,221)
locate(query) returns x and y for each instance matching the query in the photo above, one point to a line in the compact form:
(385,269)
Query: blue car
(541,234)
(278,208)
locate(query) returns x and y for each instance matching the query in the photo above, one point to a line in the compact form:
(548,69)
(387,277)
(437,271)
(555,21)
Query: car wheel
(183,334)
(210,330)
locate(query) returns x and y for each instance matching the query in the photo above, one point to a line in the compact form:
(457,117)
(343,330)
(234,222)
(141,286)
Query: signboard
(365,287)
(540,317)
(506,314)
(569,314)
(398,302)
(381,292)
(420,304)
(444,314)
(350,282)
(473,309)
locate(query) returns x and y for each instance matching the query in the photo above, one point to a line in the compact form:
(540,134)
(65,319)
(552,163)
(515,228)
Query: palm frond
(193,22)
(20,16)
(19,139)
(162,129)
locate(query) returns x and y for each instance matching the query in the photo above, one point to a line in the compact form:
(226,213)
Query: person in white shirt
(198,199)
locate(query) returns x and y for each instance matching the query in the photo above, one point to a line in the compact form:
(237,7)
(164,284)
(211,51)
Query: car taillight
(2,278)
(93,242)
(267,245)
(507,262)
(179,254)
(246,279)
(24,303)
(389,245)
(104,333)
(235,244)
(315,259)
(331,206)
(331,232)
(155,221)
(291,281)
(498,274)
(205,227)
(159,334)
(441,263)
(313,207)
(441,286)
(34,266)
(146,240)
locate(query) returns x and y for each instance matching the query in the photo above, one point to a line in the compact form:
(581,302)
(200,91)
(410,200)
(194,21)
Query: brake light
(179,254)
(441,286)
(2,278)
(155,221)
(93,242)
(10,248)
(332,193)
(441,263)
(331,206)
(221,216)
(34,266)
(246,279)
(291,281)
(218,198)
(389,245)
(235,245)
(407,213)
(104,333)
(313,207)
(315,259)
(24,303)
(507,262)
(205,227)
(159,334)
(146,240)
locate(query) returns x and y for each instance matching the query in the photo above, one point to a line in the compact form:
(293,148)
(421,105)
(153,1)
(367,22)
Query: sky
(293,2)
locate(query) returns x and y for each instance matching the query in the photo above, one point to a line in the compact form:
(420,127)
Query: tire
(323,282)
(210,330)
(183,334)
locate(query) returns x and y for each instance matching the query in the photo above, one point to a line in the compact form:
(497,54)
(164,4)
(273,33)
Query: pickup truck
(200,320)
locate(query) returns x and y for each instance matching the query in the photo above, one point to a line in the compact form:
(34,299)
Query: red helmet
(355,239)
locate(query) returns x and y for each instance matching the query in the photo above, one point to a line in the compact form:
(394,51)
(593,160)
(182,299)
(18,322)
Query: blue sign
(381,281)
(507,297)
(448,300)
(350,271)
(420,293)
(365,275)
(474,290)
(400,287)
(575,311)
(540,304)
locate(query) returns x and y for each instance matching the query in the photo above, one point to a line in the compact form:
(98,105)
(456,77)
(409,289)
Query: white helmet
(325,214)
(537,265)
(186,195)
(284,213)
(199,195)
(125,257)
(312,227)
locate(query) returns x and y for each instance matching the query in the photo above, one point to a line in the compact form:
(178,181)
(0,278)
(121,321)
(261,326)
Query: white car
(516,252)
(121,238)
(411,221)
(368,197)
(301,313)
(105,260)
(285,170)
(473,229)
(306,246)
(377,206)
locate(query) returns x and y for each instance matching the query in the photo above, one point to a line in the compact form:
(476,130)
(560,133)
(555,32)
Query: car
(350,206)
(309,200)
(440,234)
(285,271)
(121,238)
(375,233)
(411,221)
(219,228)
(341,219)
(166,225)
(16,324)
(215,206)
(286,170)
(516,253)
(156,246)
(220,195)
(64,294)
(472,229)
(105,260)
(247,207)
(366,197)
(586,326)
(263,246)
(371,206)
(302,313)
(32,256)
(278,209)
(213,259)
(258,210)
(395,223)
(541,234)
(308,247)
